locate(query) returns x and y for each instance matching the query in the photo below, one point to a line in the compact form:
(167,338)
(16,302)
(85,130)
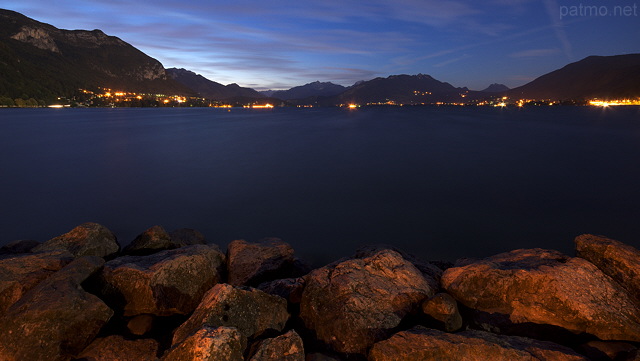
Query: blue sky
(278,44)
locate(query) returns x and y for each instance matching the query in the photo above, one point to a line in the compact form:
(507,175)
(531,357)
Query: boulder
(443,309)
(249,310)
(534,289)
(87,239)
(118,348)
(20,273)
(150,241)
(288,288)
(253,263)
(287,347)
(56,319)
(209,344)
(17,247)
(352,304)
(164,283)
(419,343)
(616,259)
(186,237)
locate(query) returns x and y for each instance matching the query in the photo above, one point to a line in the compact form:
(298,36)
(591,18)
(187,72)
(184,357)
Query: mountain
(315,89)
(405,89)
(496,88)
(41,61)
(210,89)
(605,77)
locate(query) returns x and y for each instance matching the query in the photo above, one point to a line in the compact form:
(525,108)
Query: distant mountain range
(315,89)
(210,89)
(40,61)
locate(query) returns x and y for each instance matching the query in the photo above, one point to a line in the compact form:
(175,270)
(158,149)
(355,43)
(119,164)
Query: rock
(288,288)
(186,237)
(253,263)
(165,283)
(17,247)
(616,259)
(431,272)
(287,347)
(607,350)
(56,319)
(353,304)
(20,273)
(251,311)
(421,343)
(118,348)
(209,344)
(150,241)
(444,310)
(140,325)
(87,239)
(532,288)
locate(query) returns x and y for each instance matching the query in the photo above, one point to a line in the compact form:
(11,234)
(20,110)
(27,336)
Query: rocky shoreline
(169,296)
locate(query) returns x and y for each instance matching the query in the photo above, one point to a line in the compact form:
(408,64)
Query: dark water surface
(439,182)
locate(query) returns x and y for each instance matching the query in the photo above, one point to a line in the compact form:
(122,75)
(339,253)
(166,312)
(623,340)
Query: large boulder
(251,311)
(209,344)
(421,343)
(87,239)
(118,348)
(252,263)
(352,304)
(56,319)
(164,283)
(152,240)
(20,273)
(616,259)
(544,290)
(287,347)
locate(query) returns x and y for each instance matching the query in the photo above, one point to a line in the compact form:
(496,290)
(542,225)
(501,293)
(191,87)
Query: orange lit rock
(536,287)
(118,348)
(287,347)
(164,283)
(251,311)
(152,240)
(87,239)
(252,263)
(352,304)
(444,310)
(56,319)
(616,259)
(419,344)
(209,344)
(20,273)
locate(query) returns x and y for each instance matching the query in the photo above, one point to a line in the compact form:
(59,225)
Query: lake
(439,182)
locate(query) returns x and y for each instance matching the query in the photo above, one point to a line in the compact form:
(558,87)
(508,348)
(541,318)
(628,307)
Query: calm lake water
(441,183)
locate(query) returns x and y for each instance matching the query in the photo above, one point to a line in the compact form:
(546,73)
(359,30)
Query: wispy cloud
(531,53)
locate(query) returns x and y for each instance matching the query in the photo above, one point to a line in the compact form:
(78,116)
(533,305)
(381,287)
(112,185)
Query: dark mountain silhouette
(496,88)
(41,61)
(315,89)
(210,89)
(406,89)
(604,77)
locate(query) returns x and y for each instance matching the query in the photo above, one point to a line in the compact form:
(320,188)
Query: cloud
(531,53)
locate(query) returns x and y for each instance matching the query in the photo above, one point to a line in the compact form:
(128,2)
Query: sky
(278,44)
